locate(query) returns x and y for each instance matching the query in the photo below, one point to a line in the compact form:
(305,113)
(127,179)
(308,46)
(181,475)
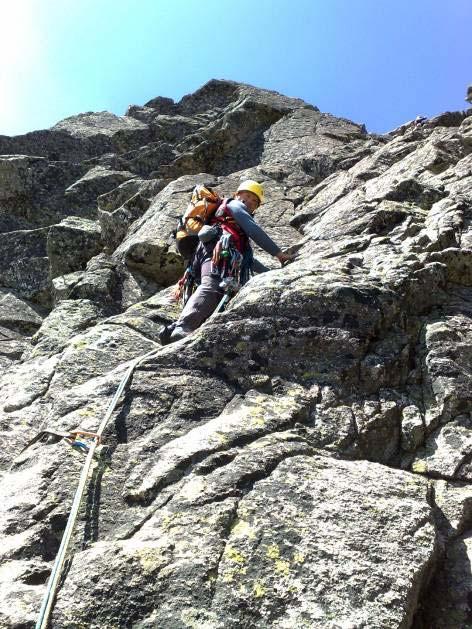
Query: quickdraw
(226,262)
(72,438)
(186,286)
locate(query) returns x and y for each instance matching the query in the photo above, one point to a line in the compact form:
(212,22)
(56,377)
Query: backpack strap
(225,218)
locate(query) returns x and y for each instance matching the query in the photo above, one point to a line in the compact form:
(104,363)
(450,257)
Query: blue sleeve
(251,228)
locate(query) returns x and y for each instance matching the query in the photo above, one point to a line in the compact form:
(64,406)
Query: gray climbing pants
(201,304)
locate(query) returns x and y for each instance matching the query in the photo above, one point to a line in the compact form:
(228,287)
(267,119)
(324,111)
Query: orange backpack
(202,206)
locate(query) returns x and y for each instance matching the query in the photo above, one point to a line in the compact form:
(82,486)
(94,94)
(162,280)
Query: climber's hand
(284,258)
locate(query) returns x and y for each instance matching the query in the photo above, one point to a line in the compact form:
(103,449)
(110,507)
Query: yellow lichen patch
(151,559)
(420,466)
(170,520)
(258,421)
(298,557)
(273,551)
(241,528)
(293,392)
(229,575)
(256,416)
(258,589)
(233,554)
(86,412)
(257,406)
(134,321)
(222,438)
(310,375)
(80,344)
(283,567)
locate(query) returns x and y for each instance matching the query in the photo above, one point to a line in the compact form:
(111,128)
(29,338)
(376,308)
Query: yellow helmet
(252,186)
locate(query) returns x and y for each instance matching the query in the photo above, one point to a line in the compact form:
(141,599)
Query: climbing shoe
(177,334)
(164,334)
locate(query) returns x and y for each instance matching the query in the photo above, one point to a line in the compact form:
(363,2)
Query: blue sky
(377,62)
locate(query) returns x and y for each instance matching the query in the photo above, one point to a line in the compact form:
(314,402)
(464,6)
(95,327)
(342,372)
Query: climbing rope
(53,582)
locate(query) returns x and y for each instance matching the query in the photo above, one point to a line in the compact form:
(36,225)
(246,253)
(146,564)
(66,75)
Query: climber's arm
(252,229)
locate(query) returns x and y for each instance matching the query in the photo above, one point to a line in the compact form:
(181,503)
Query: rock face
(302,460)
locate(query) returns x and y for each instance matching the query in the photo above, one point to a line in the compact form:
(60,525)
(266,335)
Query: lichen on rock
(303,459)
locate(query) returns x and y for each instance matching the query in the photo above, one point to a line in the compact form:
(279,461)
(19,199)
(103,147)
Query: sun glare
(20,51)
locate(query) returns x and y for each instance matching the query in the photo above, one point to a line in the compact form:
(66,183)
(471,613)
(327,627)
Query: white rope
(55,576)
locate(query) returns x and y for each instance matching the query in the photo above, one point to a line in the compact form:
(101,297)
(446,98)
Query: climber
(225,255)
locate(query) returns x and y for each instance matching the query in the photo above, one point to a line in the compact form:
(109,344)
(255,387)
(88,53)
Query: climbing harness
(55,576)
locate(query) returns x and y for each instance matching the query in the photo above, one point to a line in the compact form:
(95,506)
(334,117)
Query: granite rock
(304,458)
(71,244)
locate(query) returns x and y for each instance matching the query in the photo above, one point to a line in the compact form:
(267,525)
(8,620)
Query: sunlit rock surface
(302,460)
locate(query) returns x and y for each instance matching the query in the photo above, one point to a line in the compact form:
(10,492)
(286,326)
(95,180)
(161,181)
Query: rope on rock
(50,595)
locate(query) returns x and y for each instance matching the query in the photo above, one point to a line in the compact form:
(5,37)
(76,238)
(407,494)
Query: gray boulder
(119,208)
(80,137)
(24,264)
(71,244)
(32,191)
(69,317)
(17,314)
(252,573)
(100,282)
(19,320)
(97,181)
(306,146)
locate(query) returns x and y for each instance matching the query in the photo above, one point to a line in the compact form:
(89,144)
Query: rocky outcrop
(71,244)
(301,460)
